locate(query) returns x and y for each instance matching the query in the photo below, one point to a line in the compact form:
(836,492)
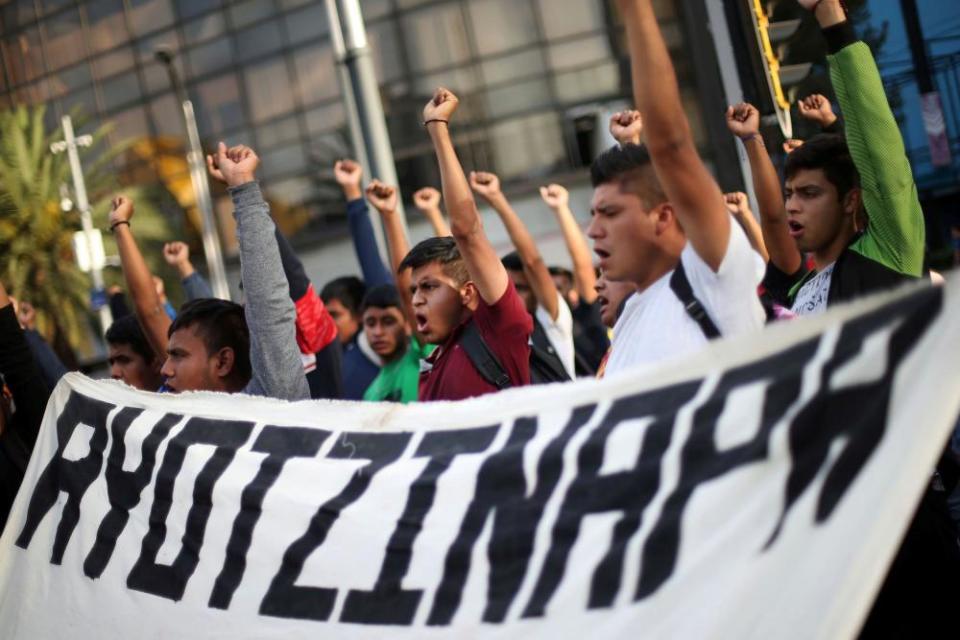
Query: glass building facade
(262,72)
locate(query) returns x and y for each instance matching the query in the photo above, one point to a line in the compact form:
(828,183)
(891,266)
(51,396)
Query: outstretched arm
(743,120)
(739,207)
(146,302)
(488,186)
(271,316)
(348,175)
(384,199)
(895,234)
(584,275)
(691,190)
(195,286)
(483,264)
(427,201)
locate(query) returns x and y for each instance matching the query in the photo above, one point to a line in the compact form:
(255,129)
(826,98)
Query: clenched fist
(743,120)
(234,166)
(485,183)
(626,126)
(427,199)
(555,196)
(737,204)
(441,106)
(382,196)
(176,253)
(818,109)
(121,210)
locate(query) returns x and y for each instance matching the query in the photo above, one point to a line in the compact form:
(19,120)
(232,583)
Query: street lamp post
(69,144)
(198,176)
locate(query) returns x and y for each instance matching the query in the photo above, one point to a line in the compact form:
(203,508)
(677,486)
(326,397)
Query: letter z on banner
(759,489)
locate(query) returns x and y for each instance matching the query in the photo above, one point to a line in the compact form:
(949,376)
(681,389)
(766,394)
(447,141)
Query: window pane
(502,24)
(255,42)
(150,15)
(64,39)
(218,106)
(268,88)
(71,79)
(167,116)
(588,84)
(286,160)
(276,133)
(210,57)
(308,24)
(190,8)
(436,37)
(518,97)
(251,11)
(204,28)
(23,57)
(105,24)
(130,124)
(120,90)
(385,50)
(16,14)
(517,65)
(579,53)
(113,62)
(326,118)
(526,144)
(563,18)
(316,74)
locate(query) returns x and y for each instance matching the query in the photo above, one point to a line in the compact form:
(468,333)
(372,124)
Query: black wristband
(839,36)
(114,226)
(426,122)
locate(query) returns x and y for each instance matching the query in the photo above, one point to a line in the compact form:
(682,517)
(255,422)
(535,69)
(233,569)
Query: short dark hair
(512,261)
(349,290)
(219,323)
(830,153)
(382,296)
(561,271)
(127,330)
(442,250)
(629,165)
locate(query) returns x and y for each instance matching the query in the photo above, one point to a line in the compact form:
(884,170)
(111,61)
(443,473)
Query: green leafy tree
(37,262)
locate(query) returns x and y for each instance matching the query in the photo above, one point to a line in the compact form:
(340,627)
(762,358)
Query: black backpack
(545,364)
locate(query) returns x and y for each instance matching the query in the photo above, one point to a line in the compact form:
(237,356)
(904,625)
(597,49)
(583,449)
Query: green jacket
(895,234)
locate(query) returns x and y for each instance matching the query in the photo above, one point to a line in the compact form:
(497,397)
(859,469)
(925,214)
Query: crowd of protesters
(679,263)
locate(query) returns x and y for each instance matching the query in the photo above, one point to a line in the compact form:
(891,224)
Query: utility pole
(198,176)
(933,121)
(362,93)
(69,144)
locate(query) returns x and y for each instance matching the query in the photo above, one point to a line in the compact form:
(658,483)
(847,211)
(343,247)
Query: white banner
(756,490)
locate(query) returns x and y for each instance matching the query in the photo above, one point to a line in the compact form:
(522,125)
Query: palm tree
(36,255)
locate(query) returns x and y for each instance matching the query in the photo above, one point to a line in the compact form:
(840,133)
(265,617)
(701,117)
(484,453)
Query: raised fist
(427,199)
(441,106)
(743,120)
(347,173)
(818,109)
(176,253)
(555,196)
(27,316)
(121,210)
(383,197)
(235,166)
(737,203)
(626,126)
(485,183)
(791,145)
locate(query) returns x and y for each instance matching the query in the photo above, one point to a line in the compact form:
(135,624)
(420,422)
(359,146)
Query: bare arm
(483,264)
(384,199)
(488,186)
(739,207)
(691,190)
(427,201)
(146,303)
(584,275)
(743,120)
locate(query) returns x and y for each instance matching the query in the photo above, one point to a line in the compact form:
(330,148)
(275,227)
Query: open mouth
(603,301)
(796,229)
(421,322)
(601,253)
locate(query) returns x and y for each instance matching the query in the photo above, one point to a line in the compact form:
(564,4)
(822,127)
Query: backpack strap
(482,358)
(694,308)
(546,357)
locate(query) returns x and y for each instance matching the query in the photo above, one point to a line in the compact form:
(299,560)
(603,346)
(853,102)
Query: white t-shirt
(654,325)
(812,297)
(560,333)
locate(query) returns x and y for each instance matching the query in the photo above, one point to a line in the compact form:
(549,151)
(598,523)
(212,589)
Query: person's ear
(663,217)
(469,296)
(223,362)
(852,206)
